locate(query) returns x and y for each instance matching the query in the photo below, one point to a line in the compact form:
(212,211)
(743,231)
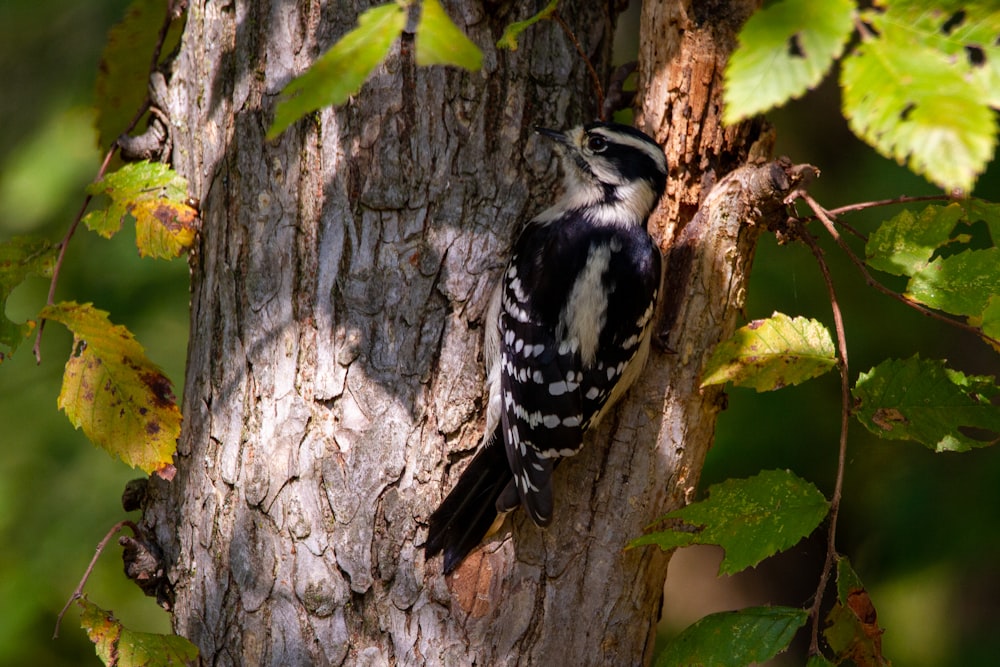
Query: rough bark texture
(334,381)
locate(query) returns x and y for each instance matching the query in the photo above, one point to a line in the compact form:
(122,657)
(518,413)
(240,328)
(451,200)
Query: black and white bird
(567,330)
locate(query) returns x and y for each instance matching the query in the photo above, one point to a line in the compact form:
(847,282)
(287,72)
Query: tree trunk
(334,381)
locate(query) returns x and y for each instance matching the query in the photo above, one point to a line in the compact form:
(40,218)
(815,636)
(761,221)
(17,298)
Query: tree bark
(334,381)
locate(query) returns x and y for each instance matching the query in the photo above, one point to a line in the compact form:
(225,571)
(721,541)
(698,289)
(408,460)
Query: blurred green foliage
(58,494)
(921,528)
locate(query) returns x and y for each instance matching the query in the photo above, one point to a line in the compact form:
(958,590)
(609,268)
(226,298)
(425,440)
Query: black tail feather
(465,516)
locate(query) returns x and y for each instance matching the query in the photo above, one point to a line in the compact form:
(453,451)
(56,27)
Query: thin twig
(586,59)
(78,593)
(845,413)
(861,206)
(826,217)
(143,108)
(37,347)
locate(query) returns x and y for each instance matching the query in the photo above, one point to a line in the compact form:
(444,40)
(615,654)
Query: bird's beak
(554,135)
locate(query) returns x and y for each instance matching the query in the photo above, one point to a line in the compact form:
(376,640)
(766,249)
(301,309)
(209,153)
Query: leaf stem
(845,414)
(78,593)
(827,218)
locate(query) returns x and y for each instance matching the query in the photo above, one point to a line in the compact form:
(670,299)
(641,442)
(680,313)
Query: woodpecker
(567,330)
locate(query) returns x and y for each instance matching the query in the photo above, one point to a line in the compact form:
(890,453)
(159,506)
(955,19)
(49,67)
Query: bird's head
(615,170)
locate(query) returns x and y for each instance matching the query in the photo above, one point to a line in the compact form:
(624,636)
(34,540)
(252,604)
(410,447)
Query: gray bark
(334,383)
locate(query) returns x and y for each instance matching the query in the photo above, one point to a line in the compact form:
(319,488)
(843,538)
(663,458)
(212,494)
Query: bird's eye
(597,143)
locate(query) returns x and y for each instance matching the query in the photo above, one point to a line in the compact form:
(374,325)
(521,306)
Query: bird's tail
(465,516)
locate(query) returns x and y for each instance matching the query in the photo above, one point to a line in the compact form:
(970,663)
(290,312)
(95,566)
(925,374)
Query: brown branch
(78,593)
(845,414)
(861,206)
(598,88)
(826,218)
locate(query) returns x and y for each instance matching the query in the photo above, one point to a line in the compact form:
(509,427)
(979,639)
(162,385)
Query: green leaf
(750,518)
(785,49)
(962,284)
(111,390)
(925,401)
(21,257)
(819,661)
(935,249)
(440,42)
(340,72)
(963,31)
(734,638)
(911,104)
(772,353)
(509,38)
(156,197)
(852,629)
(904,244)
(117,645)
(123,77)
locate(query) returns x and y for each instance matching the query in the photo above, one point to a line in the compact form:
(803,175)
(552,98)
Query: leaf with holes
(925,401)
(440,42)
(964,31)
(119,646)
(771,354)
(111,390)
(785,49)
(341,71)
(750,518)
(156,197)
(904,244)
(735,638)
(852,629)
(20,258)
(909,102)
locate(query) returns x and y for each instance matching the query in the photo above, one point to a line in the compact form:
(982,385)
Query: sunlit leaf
(962,284)
(340,72)
(772,353)
(784,50)
(156,197)
(924,400)
(911,104)
(123,77)
(904,244)
(440,42)
(734,638)
(20,257)
(750,518)
(121,400)
(119,646)
(965,31)
(509,38)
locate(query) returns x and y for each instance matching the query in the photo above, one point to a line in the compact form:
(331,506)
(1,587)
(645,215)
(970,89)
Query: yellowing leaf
(111,390)
(163,229)
(117,645)
(772,353)
(157,198)
(440,42)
